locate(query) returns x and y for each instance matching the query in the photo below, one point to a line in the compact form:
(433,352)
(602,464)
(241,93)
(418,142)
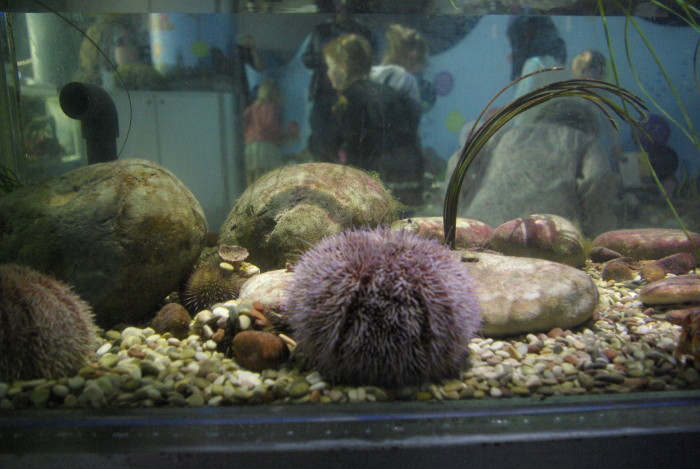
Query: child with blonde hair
(375,127)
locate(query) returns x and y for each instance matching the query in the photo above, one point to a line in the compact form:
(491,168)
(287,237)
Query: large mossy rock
(291,208)
(124,234)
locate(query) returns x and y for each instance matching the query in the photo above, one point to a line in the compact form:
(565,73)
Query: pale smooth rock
(521,295)
(267,288)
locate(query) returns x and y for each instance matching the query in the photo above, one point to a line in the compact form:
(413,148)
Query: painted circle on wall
(454,121)
(443,82)
(200,49)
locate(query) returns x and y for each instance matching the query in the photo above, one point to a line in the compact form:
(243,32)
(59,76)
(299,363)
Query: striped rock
(542,236)
(470,233)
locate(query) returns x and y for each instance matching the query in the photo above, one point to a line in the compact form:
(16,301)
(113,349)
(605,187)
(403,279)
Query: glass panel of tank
(220,95)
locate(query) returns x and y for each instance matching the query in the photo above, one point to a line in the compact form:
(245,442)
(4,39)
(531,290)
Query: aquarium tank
(349,232)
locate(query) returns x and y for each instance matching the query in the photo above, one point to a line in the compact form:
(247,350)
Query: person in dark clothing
(321,93)
(534,36)
(374,127)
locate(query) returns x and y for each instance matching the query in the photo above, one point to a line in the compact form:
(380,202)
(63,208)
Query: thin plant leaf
(688,12)
(693,138)
(8,180)
(690,131)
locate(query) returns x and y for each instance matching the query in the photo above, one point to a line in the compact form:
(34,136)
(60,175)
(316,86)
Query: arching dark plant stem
(594,91)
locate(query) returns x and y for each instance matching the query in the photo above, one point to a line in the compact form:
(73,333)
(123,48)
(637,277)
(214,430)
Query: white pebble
(61,390)
(318,386)
(132,331)
(243,322)
(210,345)
(248,380)
(220,312)
(219,380)
(248,270)
(226,266)
(104,349)
(203,316)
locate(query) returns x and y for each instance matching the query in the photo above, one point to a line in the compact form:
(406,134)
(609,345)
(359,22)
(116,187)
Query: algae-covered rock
(547,236)
(291,208)
(124,234)
(469,233)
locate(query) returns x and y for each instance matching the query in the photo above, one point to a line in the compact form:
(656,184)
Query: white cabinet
(194,135)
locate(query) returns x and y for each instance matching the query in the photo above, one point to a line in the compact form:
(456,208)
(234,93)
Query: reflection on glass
(221,99)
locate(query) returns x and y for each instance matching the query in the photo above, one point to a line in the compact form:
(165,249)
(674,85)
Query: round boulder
(124,234)
(291,208)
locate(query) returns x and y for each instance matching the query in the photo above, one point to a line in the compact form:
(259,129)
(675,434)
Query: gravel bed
(620,350)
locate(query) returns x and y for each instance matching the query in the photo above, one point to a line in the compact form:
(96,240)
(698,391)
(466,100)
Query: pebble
(244,322)
(623,350)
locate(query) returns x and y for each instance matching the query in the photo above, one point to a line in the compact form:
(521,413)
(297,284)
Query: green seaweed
(8,180)
(688,14)
(688,186)
(595,91)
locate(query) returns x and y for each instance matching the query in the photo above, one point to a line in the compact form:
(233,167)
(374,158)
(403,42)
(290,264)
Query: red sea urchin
(46,330)
(380,307)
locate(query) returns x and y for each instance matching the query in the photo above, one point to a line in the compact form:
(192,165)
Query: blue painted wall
(480,66)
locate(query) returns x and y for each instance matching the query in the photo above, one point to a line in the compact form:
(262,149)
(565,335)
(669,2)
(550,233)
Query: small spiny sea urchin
(381,307)
(46,330)
(210,284)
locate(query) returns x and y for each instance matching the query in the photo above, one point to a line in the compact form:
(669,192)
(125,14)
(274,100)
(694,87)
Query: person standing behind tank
(371,122)
(591,64)
(321,93)
(535,45)
(406,54)
(263,132)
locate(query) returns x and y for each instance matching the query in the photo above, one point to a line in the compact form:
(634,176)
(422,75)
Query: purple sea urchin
(381,307)
(46,330)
